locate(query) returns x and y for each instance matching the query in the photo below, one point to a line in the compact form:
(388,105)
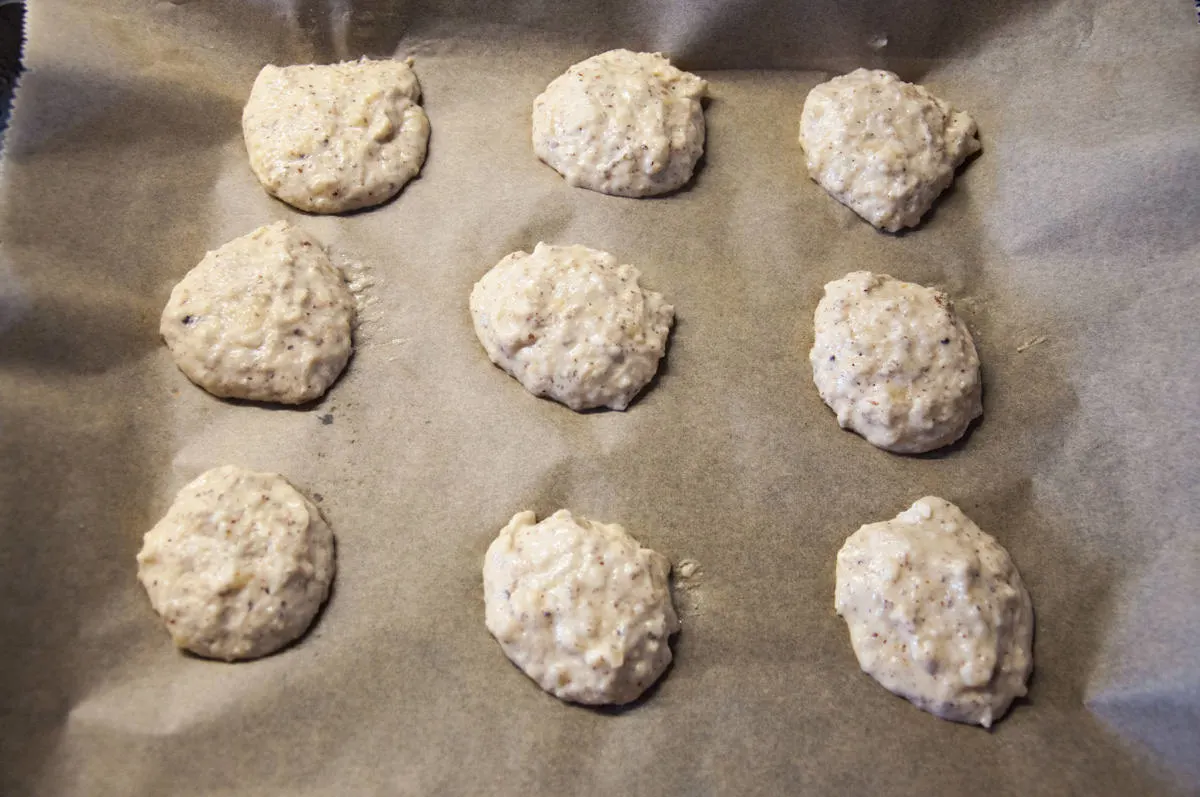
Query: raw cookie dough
(579,606)
(883,147)
(895,363)
(239,565)
(622,123)
(937,612)
(571,324)
(266,317)
(336,137)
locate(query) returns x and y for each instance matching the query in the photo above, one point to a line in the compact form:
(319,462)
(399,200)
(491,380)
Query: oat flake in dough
(579,606)
(895,362)
(622,123)
(937,612)
(239,565)
(883,147)
(572,324)
(266,317)
(336,137)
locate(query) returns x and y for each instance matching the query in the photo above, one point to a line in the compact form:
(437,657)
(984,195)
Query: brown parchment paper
(1071,245)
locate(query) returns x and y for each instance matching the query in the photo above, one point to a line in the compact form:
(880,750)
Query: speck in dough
(895,362)
(579,606)
(335,137)
(266,317)
(937,612)
(239,566)
(883,147)
(572,324)
(622,123)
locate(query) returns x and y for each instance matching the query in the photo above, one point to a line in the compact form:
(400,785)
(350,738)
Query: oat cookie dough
(579,606)
(895,362)
(937,612)
(622,123)
(331,138)
(239,565)
(266,317)
(572,324)
(883,147)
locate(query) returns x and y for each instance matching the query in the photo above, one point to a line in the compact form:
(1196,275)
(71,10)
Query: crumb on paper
(687,573)
(686,577)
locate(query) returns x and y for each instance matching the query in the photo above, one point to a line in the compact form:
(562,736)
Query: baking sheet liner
(1071,245)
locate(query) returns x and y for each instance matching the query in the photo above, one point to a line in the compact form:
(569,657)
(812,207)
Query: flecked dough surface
(572,324)
(937,612)
(883,147)
(895,362)
(330,138)
(622,123)
(239,566)
(579,606)
(266,317)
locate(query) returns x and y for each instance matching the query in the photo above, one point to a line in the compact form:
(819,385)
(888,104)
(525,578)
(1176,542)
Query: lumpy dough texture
(883,147)
(895,362)
(937,612)
(266,317)
(572,324)
(336,137)
(579,606)
(622,123)
(239,565)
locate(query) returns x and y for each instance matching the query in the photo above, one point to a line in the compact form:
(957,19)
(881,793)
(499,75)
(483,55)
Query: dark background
(12,23)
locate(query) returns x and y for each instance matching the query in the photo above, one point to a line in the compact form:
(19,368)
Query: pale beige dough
(895,362)
(937,612)
(266,317)
(239,566)
(331,138)
(579,606)
(883,147)
(572,324)
(622,123)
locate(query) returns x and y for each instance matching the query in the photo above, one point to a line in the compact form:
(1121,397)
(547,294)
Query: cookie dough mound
(937,612)
(883,147)
(622,123)
(239,565)
(895,363)
(571,324)
(266,317)
(579,606)
(337,137)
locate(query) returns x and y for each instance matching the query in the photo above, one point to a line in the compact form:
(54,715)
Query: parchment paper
(1071,244)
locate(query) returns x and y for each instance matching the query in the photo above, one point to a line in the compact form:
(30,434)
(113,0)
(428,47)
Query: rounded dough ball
(571,324)
(239,565)
(335,137)
(883,147)
(937,612)
(895,363)
(266,317)
(579,606)
(622,123)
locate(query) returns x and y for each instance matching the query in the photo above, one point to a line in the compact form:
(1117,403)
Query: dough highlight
(579,606)
(937,612)
(266,317)
(883,147)
(622,123)
(572,324)
(895,362)
(336,137)
(239,566)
